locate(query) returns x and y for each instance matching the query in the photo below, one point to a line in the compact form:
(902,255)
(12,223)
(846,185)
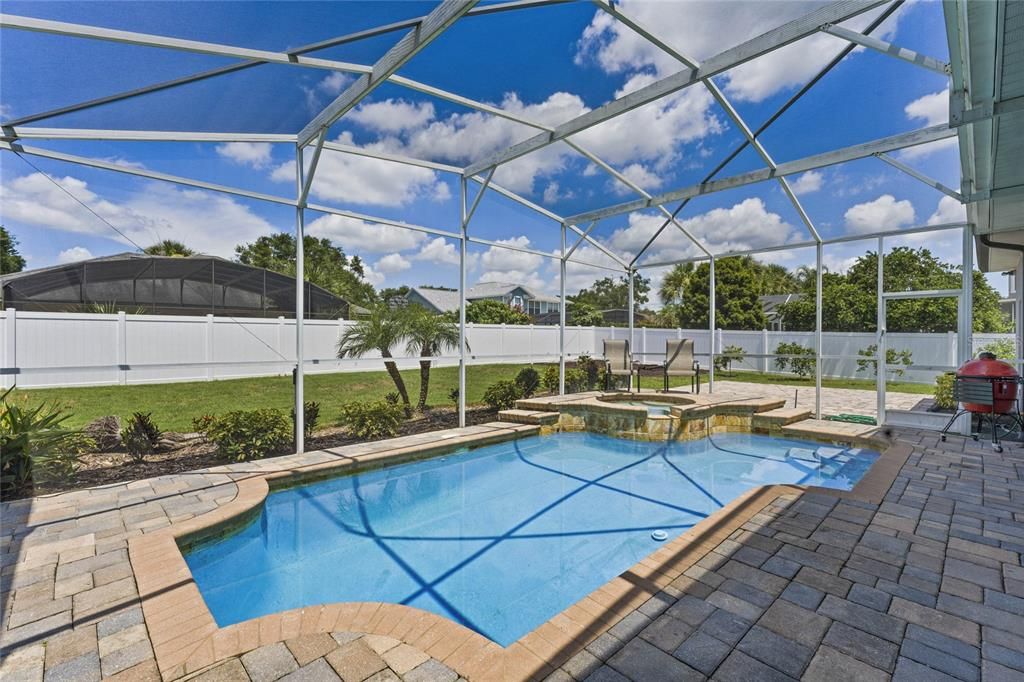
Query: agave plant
(27,434)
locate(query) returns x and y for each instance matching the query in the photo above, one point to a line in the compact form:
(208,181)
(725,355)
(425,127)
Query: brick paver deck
(925,585)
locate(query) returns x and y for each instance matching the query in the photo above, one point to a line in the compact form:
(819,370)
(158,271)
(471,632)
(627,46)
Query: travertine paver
(925,582)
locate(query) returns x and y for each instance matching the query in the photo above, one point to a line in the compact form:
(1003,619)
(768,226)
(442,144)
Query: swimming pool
(499,538)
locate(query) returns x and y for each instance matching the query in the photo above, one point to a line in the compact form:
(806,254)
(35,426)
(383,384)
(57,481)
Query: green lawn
(826,382)
(174,405)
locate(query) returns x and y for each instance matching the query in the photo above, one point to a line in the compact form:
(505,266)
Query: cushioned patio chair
(679,362)
(618,362)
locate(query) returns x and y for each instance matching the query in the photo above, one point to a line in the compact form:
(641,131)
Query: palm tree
(673,286)
(381,330)
(169,247)
(428,335)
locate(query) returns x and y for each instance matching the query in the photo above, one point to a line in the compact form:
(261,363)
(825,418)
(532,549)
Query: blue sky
(547,64)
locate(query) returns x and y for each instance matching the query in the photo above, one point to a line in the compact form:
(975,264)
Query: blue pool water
(499,538)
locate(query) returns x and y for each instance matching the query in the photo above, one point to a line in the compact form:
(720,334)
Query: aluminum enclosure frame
(423,29)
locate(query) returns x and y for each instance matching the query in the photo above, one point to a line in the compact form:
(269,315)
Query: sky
(548,65)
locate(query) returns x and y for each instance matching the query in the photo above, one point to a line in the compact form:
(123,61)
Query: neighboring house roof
(770,304)
(444,300)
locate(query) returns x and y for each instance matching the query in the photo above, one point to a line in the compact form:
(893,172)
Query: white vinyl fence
(72,349)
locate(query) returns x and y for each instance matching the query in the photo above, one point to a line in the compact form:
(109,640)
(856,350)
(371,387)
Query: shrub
(105,432)
(392,398)
(248,434)
(594,371)
(1004,349)
(60,463)
(503,394)
(944,391)
(549,380)
(453,395)
(892,357)
(27,434)
(140,436)
(370,420)
(800,366)
(729,355)
(575,380)
(528,380)
(310,416)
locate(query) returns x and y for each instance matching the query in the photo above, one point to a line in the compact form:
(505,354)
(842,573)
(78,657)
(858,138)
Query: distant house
(771,304)
(526,299)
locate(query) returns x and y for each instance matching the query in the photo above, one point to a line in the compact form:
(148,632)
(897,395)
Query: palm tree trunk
(424,383)
(396,377)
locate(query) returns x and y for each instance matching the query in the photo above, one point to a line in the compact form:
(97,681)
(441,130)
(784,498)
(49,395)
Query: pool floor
(499,538)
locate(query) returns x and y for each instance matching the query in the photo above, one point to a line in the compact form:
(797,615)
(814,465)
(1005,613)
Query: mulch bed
(105,468)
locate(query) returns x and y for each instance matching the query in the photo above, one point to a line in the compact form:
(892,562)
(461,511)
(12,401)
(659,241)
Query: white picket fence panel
(41,349)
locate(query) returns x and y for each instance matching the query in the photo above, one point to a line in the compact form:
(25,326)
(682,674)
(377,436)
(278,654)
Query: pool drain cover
(659,535)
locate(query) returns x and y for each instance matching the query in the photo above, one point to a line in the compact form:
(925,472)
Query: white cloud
(883,213)
(807,183)
(745,225)
(330,86)
(933,108)
(638,174)
(352,179)
(392,263)
(373,276)
(439,251)
(74,254)
(358,236)
(504,265)
(254,154)
(949,210)
(553,193)
(393,116)
(701,29)
(206,221)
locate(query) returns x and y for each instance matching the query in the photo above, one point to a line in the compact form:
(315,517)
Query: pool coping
(187,640)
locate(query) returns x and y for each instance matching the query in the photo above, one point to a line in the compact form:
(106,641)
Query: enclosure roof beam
(433,25)
(831,158)
(914,173)
(33,133)
(150,40)
(142,172)
(740,54)
(793,99)
(320,208)
(808,244)
(915,58)
(383,156)
(723,102)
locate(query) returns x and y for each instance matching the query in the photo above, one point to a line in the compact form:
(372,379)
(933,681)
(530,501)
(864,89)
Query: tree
(428,335)
(773,279)
(584,315)
(849,300)
(10,259)
(381,330)
(169,247)
(326,265)
(490,311)
(608,293)
(673,286)
(737,305)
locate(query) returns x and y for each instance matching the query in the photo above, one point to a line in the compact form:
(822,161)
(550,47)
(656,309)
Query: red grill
(1000,375)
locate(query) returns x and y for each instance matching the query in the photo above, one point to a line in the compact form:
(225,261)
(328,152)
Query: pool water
(499,538)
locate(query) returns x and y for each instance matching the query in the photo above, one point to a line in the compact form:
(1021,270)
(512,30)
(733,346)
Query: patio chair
(618,362)
(679,362)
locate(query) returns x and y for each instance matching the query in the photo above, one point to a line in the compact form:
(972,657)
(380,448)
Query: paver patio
(926,584)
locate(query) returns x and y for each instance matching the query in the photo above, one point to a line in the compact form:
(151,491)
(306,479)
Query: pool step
(528,417)
(783,416)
